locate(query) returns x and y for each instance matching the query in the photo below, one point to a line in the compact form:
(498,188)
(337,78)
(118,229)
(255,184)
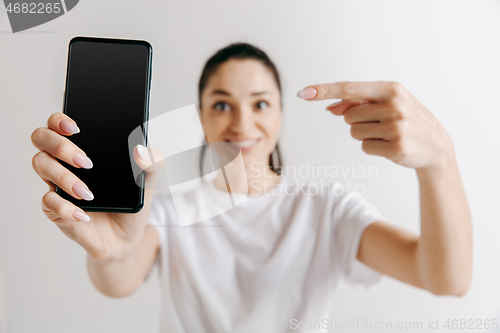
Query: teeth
(245,144)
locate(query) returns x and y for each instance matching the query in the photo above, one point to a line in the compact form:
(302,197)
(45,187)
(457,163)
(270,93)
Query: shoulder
(161,205)
(187,192)
(181,205)
(332,199)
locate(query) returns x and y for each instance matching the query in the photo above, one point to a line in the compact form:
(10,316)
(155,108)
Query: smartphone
(108,84)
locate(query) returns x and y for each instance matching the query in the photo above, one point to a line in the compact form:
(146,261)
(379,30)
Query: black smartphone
(107,94)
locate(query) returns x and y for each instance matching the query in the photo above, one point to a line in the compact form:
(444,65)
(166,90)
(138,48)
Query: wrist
(444,160)
(124,253)
(443,165)
(109,258)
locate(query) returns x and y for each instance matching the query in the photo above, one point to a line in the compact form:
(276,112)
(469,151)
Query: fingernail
(80,216)
(307,93)
(69,127)
(143,153)
(83,192)
(82,161)
(333,104)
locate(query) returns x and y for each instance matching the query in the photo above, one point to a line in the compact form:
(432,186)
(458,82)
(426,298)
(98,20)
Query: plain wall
(446,53)
(3,311)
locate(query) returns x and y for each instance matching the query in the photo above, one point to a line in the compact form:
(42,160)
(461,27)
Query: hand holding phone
(96,232)
(64,165)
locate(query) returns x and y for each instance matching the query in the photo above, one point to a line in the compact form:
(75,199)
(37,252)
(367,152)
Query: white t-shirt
(272,258)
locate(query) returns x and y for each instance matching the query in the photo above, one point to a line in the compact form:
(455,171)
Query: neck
(253,179)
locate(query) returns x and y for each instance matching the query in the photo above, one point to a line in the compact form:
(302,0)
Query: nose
(242,119)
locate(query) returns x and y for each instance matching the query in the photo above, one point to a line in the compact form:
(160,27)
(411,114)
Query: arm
(440,260)
(122,277)
(445,245)
(393,124)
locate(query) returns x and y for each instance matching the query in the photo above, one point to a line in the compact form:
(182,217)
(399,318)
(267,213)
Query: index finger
(62,124)
(346,90)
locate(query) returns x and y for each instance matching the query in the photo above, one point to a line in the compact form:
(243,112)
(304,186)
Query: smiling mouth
(244,145)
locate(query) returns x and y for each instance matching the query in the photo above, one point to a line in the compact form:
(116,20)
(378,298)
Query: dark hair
(240,51)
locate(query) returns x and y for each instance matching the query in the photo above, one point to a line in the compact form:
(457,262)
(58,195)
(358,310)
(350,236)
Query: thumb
(151,161)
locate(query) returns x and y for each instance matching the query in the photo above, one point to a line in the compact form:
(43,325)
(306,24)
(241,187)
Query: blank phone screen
(107,95)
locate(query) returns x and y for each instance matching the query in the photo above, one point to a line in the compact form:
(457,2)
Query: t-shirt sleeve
(158,216)
(158,220)
(352,214)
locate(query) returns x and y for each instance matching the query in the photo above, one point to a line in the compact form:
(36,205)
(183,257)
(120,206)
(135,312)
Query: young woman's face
(241,104)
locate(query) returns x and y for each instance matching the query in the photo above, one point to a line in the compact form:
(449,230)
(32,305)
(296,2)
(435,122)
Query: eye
(221,106)
(262,105)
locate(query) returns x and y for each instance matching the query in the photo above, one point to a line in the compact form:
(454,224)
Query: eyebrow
(260,93)
(223,92)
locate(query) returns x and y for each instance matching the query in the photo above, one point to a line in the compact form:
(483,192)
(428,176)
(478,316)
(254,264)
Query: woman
(273,258)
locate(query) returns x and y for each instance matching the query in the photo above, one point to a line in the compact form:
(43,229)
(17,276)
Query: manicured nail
(80,216)
(82,161)
(83,192)
(68,127)
(143,153)
(307,93)
(333,104)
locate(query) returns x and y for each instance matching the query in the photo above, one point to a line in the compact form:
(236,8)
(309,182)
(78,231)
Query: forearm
(122,277)
(444,252)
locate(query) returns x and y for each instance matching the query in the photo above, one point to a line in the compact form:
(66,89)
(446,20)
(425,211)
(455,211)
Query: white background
(445,52)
